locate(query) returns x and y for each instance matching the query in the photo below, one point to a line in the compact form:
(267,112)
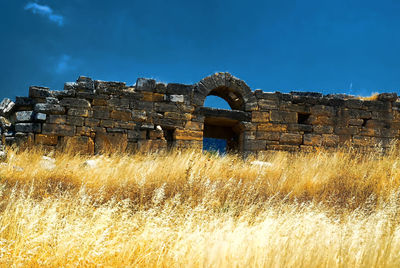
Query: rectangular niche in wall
(169,136)
(302,118)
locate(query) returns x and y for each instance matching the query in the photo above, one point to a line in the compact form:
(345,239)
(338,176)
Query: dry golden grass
(186,209)
(373,97)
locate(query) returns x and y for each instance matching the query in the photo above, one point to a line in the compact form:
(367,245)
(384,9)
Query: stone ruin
(93,116)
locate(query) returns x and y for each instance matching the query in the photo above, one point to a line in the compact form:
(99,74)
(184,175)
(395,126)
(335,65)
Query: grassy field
(188,209)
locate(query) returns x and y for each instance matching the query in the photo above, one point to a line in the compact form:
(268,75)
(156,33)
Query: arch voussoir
(227,81)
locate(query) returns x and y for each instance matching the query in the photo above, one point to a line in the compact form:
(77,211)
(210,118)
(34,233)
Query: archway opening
(231,96)
(216,102)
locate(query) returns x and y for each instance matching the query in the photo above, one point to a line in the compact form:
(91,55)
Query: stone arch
(224,124)
(224,85)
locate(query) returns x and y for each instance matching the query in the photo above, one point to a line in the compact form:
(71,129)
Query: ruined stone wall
(307,120)
(94,116)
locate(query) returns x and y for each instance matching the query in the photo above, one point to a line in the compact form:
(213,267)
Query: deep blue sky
(329,46)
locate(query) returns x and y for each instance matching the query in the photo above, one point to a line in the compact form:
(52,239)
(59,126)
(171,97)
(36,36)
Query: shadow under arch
(221,123)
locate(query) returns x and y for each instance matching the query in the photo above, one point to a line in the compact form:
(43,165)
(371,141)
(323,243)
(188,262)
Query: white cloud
(45,11)
(64,64)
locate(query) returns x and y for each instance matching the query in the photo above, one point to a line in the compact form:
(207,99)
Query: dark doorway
(224,131)
(224,125)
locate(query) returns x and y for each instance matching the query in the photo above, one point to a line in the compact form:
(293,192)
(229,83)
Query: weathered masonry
(95,116)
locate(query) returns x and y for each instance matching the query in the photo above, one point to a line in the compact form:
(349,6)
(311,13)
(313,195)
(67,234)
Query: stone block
(148,126)
(75,120)
(251,106)
(28,127)
(165,107)
(260,94)
(145,84)
(119,103)
(107,123)
(75,103)
(382,116)
(161,88)
(52,100)
(330,140)
(272,127)
(101,112)
(291,138)
(111,142)
(191,125)
(249,135)
(47,108)
(377,106)
(369,131)
(40,117)
(298,108)
(116,130)
(266,105)
(266,135)
(150,96)
(6,106)
(70,86)
(174,115)
(283,116)
(312,139)
(322,110)
(85,84)
(24,102)
(46,139)
(92,122)
(375,123)
(57,119)
(134,134)
(4,123)
(179,89)
(139,116)
(254,145)
(320,120)
(354,104)
(79,112)
(125,124)
(184,134)
(156,134)
(142,105)
(299,128)
(247,126)
(125,115)
(259,117)
(355,122)
(99,102)
(108,88)
(177,98)
(24,116)
(322,129)
(78,144)
(39,92)
(57,129)
(350,130)
(387,97)
(85,131)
